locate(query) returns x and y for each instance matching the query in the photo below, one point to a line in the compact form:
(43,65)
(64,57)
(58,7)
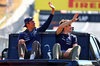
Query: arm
(60,28)
(20,39)
(53,8)
(74,42)
(69,50)
(47,23)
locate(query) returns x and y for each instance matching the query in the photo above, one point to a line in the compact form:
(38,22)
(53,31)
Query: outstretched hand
(50,4)
(75,18)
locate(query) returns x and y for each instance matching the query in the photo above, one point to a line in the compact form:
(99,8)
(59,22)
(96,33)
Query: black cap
(26,20)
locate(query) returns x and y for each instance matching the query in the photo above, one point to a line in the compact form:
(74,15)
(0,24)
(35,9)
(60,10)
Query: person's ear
(27,24)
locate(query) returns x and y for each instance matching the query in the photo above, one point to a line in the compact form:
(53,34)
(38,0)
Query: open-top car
(90,51)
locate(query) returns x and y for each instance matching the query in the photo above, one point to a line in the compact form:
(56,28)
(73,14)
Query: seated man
(29,40)
(66,46)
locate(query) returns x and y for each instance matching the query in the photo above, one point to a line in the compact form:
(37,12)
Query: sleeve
(75,39)
(56,35)
(46,24)
(20,36)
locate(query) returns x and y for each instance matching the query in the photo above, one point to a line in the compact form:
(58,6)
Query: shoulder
(23,33)
(58,34)
(74,36)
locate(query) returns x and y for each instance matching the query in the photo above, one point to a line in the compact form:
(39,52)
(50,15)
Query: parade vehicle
(90,45)
(89,56)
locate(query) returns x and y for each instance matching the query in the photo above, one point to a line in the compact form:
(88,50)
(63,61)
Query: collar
(29,31)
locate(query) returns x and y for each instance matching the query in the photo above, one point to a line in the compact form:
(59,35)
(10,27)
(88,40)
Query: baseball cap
(28,19)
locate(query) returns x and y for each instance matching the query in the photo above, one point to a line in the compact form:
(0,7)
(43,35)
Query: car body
(90,51)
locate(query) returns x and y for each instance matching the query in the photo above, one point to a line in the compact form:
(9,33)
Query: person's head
(67,28)
(29,22)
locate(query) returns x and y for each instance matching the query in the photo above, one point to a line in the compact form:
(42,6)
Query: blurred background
(13,12)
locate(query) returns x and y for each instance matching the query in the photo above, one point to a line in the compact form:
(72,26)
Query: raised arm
(48,21)
(60,28)
(53,8)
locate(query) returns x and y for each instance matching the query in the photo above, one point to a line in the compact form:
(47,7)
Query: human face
(68,28)
(31,24)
